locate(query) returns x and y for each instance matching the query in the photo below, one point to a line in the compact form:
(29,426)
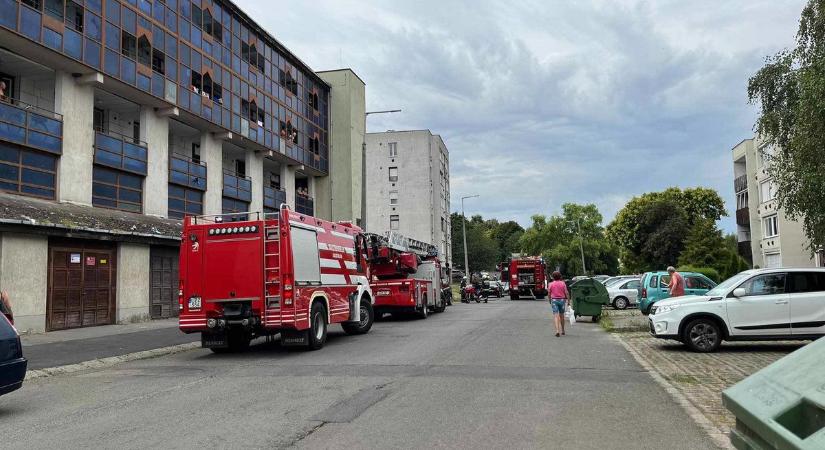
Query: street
(477,376)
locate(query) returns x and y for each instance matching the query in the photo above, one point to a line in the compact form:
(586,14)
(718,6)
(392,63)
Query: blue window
(9,16)
(112,36)
(92,53)
(183,26)
(171,20)
(113,11)
(158,12)
(129,19)
(53,39)
(72,44)
(127,70)
(184,201)
(94,5)
(171,46)
(196,35)
(30,23)
(171,68)
(93,26)
(27,172)
(143,82)
(115,189)
(145,6)
(111,63)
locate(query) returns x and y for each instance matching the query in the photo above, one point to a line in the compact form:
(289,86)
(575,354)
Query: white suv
(760,304)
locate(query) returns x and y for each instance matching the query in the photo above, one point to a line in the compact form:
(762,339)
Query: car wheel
(702,335)
(620,303)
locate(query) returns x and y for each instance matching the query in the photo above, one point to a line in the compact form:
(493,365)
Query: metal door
(163,285)
(81,289)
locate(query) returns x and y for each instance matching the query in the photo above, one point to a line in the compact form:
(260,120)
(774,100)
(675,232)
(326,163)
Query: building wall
(155,131)
(76,102)
(342,190)
(132,294)
(419,208)
(24,275)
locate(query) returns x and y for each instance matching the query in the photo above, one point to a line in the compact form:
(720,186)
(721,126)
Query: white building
(408,186)
(766,236)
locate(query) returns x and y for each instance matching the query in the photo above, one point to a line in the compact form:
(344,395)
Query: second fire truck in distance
(405,276)
(527,276)
(284,273)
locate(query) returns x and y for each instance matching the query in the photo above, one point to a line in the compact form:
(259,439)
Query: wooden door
(163,287)
(81,289)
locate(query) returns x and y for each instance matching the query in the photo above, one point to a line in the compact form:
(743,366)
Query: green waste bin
(588,296)
(783,405)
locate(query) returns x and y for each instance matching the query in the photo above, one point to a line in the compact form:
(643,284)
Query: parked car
(618,279)
(624,293)
(492,288)
(760,304)
(12,363)
(601,278)
(653,287)
(456,275)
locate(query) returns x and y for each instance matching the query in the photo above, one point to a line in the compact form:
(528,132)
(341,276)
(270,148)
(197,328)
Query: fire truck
(406,276)
(282,273)
(527,276)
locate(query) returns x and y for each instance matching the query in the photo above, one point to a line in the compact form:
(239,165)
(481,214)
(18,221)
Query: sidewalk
(59,348)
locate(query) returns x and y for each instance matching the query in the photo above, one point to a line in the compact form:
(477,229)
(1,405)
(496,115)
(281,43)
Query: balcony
(273,198)
(31,126)
(186,172)
(744,249)
(237,186)
(304,204)
(740,183)
(121,152)
(743,217)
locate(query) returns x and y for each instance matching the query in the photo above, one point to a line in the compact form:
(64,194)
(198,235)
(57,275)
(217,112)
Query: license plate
(384,292)
(213,340)
(195,303)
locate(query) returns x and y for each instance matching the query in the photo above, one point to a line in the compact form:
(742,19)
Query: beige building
(408,187)
(766,236)
(345,183)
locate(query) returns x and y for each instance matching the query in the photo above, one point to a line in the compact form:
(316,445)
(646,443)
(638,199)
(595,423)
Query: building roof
(344,69)
(30,214)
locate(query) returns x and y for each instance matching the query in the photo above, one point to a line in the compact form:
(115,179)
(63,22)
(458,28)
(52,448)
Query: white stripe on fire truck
(333,279)
(342,235)
(330,263)
(350,265)
(307,226)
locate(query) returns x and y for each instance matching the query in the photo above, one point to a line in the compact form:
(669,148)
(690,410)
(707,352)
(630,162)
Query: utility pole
(581,245)
(364,166)
(464,232)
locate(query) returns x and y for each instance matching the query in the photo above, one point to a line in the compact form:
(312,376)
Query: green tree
(483,250)
(507,235)
(705,247)
(790,90)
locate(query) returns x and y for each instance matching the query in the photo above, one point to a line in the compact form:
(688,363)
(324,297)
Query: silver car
(624,293)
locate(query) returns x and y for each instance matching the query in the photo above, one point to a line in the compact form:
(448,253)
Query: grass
(683,379)
(606,322)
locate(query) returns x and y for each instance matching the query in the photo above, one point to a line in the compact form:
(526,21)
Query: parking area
(701,377)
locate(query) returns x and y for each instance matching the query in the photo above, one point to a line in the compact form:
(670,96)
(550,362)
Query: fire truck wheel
(424,311)
(317,326)
(367,318)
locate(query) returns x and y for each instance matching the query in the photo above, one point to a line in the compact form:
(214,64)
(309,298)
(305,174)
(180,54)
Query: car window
(769,284)
(632,284)
(653,280)
(664,280)
(806,281)
(697,283)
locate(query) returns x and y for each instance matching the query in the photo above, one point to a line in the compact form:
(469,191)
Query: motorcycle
(470,293)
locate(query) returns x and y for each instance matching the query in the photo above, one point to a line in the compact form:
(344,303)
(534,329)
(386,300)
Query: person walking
(559,298)
(676,287)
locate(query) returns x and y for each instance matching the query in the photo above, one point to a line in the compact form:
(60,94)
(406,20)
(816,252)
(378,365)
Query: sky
(541,103)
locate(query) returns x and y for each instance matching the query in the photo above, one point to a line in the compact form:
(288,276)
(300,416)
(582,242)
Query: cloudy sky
(546,102)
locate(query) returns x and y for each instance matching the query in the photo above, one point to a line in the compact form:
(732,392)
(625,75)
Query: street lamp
(581,245)
(464,232)
(364,165)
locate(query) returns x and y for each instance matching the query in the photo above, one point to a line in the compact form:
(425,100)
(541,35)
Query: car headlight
(665,308)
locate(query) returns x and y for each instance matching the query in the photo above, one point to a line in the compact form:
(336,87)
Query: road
(477,376)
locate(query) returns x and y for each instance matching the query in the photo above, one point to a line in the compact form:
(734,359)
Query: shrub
(709,272)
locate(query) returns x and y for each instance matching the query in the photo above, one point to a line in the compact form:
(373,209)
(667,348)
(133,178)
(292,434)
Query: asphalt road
(477,376)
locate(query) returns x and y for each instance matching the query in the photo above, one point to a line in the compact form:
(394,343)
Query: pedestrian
(676,286)
(5,306)
(559,298)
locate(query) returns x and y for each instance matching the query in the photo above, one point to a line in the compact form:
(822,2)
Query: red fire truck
(527,276)
(283,273)
(405,276)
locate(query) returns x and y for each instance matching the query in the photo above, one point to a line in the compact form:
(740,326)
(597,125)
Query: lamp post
(364,165)
(464,233)
(581,245)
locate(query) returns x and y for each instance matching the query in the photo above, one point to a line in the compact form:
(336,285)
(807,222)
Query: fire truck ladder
(401,243)
(272,278)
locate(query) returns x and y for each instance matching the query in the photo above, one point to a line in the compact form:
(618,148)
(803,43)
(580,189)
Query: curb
(717,435)
(109,361)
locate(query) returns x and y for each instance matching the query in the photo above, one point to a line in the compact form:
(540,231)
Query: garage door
(81,286)
(163,288)
(773,260)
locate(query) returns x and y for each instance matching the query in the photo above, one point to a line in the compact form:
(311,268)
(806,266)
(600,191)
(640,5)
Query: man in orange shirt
(676,287)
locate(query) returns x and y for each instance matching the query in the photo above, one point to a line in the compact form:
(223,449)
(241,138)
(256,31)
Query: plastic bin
(783,405)
(588,296)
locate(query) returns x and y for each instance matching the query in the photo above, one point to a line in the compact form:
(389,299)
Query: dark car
(12,363)
(492,288)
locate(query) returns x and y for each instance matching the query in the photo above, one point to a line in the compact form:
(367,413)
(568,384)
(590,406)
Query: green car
(654,287)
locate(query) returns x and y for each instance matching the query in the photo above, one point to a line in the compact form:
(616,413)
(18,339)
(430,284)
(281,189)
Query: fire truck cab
(248,275)
(405,276)
(527,277)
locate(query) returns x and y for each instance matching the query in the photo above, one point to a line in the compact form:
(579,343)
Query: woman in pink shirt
(559,297)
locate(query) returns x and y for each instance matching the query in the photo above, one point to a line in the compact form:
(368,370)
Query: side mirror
(739,292)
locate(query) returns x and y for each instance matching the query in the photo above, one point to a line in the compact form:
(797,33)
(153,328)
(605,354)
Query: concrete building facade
(766,236)
(117,118)
(408,186)
(348,127)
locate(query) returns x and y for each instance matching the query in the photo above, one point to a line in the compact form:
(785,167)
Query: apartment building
(766,236)
(408,186)
(119,117)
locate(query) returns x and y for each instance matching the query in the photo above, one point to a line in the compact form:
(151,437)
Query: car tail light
(180,295)
(644,292)
(289,292)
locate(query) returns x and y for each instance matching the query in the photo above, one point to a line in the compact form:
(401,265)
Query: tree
(506,235)
(705,247)
(650,229)
(790,90)
(483,251)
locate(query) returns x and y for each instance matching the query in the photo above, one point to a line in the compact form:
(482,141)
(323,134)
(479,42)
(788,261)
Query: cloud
(542,103)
